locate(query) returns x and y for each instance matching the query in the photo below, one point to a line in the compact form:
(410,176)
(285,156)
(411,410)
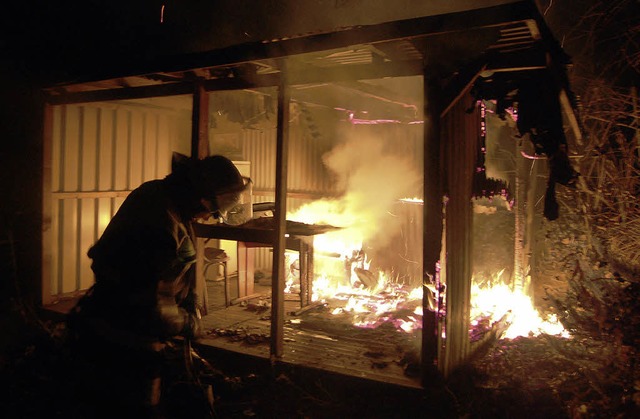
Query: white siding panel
(89,148)
(150,146)
(117,203)
(56,147)
(87,238)
(106,149)
(135,149)
(71,148)
(55,251)
(121,158)
(100,152)
(69,246)
(104,214)
(164,147)
(260,149)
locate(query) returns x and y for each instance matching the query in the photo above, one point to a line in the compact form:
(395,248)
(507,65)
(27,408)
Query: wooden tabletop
(259,230)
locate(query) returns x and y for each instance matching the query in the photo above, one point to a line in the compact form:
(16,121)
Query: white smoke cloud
(374,177)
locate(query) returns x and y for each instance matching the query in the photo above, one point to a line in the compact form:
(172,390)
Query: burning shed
(365,145)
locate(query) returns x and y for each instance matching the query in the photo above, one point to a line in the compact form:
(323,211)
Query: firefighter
(142,296)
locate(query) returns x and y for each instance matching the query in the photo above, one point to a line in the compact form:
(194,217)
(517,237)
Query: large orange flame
(496,300)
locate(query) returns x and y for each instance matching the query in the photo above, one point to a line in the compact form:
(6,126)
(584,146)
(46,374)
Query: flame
(374,178)
(373,175)
(369,306)
(339,255)
(497,299)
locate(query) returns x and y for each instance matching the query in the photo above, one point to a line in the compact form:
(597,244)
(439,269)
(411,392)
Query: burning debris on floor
(592,372)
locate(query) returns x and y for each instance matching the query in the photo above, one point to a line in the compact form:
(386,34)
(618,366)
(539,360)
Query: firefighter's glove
(192,325)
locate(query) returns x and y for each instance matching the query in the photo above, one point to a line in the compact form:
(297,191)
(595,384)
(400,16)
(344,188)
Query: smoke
(374,176)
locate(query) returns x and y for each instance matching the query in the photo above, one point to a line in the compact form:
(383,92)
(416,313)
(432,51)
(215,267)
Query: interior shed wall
(99,153)
(309,179)
(102,151)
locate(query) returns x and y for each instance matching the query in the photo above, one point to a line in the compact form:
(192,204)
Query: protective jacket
(142,292)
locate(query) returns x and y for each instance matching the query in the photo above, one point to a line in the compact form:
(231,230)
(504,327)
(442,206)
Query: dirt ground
(593,374)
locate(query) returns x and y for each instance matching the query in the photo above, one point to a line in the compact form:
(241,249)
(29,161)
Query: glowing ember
(369,307)
(413,200)
(372,307)
(374,176)
(497,300)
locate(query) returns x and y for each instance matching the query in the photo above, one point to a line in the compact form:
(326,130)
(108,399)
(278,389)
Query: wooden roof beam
(309,75)
(495,16)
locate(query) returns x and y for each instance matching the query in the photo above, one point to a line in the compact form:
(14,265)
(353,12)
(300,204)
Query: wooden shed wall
(460,133)
(99,153)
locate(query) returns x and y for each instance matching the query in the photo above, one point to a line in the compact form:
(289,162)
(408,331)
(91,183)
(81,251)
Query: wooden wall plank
(68,247)
(106,150)
(59,121)
(115,204)
(135,149)
(70,166)
(164,148)
(56,146)
(89,148)
(150,146)
(87,238)
(121,157)
(54,271)
(104,214)
(99,152)
(71,149)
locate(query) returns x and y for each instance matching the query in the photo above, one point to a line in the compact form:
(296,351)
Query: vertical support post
(199,150)
(302,260)
(518,237)
(432,221)
(47,235)
(306,271)
(200,122)
(460,132)
(309,274)
(279,245)
(531,224)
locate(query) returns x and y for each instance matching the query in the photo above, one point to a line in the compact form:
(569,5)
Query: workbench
(260,232)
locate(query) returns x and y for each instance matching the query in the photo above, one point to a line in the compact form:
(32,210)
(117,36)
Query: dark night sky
(600,35)
(52,40)
(48,40)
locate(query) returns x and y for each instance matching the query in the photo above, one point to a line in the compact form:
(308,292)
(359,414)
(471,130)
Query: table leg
(246,268)
(306,273)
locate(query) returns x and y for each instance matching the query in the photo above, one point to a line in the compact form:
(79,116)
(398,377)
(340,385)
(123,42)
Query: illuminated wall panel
(100,152)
